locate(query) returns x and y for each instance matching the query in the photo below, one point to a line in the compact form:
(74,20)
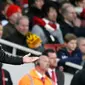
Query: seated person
(70,53)
(47,28)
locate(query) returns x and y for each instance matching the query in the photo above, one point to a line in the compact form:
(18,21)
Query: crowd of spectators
(34,23)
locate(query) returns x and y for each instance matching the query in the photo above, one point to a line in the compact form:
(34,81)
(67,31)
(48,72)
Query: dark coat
(8,30)
(4,58)
(79,78)
(6,77)
(60,76)
(74,57)
(66,28)
(17,38)
(65,56)
(33,11)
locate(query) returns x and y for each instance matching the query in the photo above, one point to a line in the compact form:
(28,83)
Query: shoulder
(24,80)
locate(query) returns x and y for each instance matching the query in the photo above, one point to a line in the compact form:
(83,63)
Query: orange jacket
(34,79)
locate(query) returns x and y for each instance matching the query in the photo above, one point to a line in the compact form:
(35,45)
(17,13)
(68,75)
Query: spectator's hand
(27,59)
(77,22)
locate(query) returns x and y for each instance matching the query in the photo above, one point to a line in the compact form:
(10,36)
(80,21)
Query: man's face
(23,26)
(52,14)
(70,14)
(71,45)
(52,59)
(82,46)
(15,17)
(44,63)
(39,3)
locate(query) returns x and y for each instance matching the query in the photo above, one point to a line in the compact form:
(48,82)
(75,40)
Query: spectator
(69,53)
(59,75)
(37,75)
(35,9)
(13,13)
(21,27)
(51,33)
(71,23)
(81,46)
(5,78)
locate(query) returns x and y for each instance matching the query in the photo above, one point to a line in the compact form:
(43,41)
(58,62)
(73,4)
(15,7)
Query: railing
(16,46)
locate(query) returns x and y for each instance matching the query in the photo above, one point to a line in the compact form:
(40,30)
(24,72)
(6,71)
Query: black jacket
(18,38)
(79,78)
(4,58)
(6,78)
(66,28)
(60,76)
(34,11)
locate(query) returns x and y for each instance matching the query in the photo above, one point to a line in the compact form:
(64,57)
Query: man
(53,72)
(12,13)
(71,23)
(81,46)
(37,75)
(18,36)
(51,33)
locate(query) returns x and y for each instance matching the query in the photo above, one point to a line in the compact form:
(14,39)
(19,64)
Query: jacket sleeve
(5,58)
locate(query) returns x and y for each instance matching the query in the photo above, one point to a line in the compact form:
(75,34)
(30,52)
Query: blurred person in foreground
(79,77)
(5,78)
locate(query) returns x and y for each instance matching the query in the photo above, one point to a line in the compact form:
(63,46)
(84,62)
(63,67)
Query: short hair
(64,7)
(21,18)
(68,37)
(48,51)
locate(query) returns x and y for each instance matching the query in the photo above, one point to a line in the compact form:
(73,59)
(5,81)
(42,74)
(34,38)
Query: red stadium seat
(55,47)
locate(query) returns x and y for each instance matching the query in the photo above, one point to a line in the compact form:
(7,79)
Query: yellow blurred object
(1,28)
(33,41)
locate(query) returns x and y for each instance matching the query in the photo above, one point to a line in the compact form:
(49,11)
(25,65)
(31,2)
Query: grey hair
(21,18)
(64,8)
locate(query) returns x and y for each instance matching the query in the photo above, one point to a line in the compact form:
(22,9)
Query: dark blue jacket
(65,56)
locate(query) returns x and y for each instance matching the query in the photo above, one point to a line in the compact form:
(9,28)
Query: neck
(69,50)
(41,71)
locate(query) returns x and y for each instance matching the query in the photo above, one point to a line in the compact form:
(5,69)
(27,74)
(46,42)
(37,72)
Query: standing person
(5,78)
(53,72)
(37,75)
